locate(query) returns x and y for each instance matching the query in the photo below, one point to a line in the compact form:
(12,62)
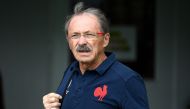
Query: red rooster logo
(101,93)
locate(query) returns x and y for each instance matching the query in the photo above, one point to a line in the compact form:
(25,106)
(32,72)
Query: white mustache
(83,48)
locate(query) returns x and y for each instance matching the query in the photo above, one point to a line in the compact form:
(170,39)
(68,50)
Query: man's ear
(106,39)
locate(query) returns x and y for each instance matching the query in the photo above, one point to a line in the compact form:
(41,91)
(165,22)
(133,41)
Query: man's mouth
(84,51)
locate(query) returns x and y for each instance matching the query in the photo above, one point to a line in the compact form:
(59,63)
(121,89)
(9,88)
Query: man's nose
(82,40)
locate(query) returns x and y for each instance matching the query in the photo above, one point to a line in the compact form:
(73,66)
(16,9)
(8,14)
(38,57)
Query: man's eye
(90,35)
(75,36)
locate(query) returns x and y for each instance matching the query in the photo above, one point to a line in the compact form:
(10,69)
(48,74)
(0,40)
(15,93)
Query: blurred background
(34,52)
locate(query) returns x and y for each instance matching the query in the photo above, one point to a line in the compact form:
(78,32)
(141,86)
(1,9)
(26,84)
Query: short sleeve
(135,94)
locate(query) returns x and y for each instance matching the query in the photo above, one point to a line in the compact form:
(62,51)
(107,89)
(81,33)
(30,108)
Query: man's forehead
(83,23)
(85,17)
(77,32)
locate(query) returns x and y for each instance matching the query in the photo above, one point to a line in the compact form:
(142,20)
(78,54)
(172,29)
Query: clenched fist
(51,101)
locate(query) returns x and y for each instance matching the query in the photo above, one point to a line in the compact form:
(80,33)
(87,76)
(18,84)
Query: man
(96,80)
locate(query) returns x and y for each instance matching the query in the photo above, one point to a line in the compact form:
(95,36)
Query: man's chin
(84,59)
(84,54)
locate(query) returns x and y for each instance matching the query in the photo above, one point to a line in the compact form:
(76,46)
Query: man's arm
(135,94)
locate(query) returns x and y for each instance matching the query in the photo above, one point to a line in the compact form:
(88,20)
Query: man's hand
(51,101)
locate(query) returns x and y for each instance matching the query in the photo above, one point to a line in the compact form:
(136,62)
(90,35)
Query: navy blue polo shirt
(111,86)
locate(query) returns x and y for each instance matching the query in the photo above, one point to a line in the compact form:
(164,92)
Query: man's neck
(91,65)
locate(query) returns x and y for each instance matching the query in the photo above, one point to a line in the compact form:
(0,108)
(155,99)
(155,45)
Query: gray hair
(80,9)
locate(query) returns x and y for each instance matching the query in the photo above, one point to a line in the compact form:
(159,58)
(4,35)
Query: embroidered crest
(101,92)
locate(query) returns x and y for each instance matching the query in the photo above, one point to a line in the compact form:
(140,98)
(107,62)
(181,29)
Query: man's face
(85,38)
